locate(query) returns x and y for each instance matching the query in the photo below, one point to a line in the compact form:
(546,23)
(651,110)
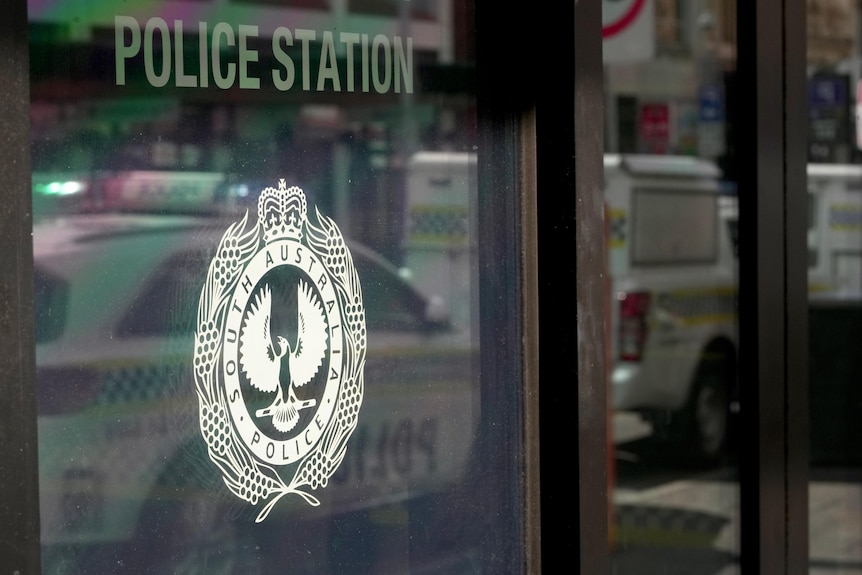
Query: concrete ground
(691,526)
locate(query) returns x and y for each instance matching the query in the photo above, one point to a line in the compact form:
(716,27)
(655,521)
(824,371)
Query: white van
(440,237)
(835,312)
(672,263)
(671,258)
(835,231)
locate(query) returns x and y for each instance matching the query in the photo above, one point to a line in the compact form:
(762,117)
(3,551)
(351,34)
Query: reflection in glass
(154,128)
(671,211)
(834,287)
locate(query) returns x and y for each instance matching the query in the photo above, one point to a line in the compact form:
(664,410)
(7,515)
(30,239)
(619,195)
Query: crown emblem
(281,212)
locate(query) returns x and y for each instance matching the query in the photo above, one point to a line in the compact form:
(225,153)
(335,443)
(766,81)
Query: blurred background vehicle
(835,312)
(121,457)
(673,270)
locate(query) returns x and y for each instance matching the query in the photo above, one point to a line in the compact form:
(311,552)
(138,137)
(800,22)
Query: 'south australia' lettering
(227,57)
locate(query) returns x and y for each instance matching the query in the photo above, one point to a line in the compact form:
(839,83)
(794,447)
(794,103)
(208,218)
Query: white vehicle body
(440,230)
(669,242)
(117,409)
(835,311)
(673,271)
(835,231)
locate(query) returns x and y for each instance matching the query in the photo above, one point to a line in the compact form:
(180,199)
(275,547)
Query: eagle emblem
(262,361)
(280,352)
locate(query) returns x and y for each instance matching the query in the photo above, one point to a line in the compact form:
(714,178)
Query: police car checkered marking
(137,383)
(653,521)
(441,223)
(693,305)
(846,217)
(617,227)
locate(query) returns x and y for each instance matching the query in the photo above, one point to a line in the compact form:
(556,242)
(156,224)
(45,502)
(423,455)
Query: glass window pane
(835,287)
(670,199)
(257,290)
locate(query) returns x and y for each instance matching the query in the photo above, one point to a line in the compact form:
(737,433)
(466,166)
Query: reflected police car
(673,323)
(116,298)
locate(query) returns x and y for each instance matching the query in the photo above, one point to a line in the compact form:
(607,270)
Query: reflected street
(673,518)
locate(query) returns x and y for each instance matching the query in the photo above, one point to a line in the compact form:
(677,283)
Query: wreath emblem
(279,352)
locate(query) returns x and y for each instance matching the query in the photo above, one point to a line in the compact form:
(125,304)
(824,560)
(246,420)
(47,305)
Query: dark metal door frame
(568,148)
(19,508)
(771,151)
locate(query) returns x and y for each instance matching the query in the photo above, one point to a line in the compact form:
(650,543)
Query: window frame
(19,492)
(773,306)
(554,137)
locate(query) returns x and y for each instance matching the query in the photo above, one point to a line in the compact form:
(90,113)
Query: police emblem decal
(279,351)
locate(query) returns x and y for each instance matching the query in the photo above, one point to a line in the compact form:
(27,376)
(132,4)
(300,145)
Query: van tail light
(633,324)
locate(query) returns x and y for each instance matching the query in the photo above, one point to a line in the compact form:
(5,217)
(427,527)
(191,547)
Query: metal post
(19,507)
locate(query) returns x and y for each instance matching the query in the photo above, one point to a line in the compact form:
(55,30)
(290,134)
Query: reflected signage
(828,118)
(628,30)
(655,128)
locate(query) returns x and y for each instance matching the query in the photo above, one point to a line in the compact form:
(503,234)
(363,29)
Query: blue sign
(828,117)
(711,103)
(827,91)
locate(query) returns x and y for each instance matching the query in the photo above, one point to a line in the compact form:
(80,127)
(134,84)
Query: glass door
(261,299)
(834,242)
(671,208)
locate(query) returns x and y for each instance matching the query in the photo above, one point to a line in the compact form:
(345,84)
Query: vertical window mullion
(773,326)
(571,277)
(796,285)
(19,511)
(590,276)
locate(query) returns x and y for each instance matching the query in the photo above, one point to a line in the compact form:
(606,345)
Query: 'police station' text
(303,59)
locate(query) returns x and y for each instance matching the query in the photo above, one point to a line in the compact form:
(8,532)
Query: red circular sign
(623,20)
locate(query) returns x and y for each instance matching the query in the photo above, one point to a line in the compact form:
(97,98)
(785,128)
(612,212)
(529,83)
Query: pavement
(690,525)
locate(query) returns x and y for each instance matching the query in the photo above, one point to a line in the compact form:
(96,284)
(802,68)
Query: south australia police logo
(279,352)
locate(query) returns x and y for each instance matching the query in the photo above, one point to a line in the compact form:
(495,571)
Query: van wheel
(707,416)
